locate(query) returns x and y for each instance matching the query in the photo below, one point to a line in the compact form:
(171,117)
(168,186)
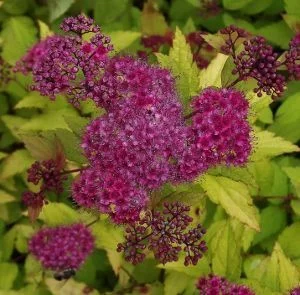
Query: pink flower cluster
(63,247)
(214,285)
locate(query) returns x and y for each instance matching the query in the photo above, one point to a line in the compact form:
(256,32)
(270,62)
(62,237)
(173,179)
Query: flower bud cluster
(256,60)
(215,285)
(68,64)
(166,233)
(292,58)
(47,173)
(63,247)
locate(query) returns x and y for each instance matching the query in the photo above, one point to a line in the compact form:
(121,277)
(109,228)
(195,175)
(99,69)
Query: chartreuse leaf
(288,274)
(270,145)
(6,197)
(70,287)
(76,124)
(175,282)
(58,213)
(294,174)
(290,242)
(152,21)
(211,76)
(32,100)
(180,62)
(287,118)
(18,34)
(8,274)
(2,155)
(225,252)
(14,124)
(146,272)
(233,196)
(15,163)
(107,237)
(33,270)
(58,7)
(44,30)
(123,39)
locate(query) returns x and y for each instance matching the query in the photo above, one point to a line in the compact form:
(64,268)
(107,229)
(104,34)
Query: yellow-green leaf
(270,145)
(6,197)
(233,196)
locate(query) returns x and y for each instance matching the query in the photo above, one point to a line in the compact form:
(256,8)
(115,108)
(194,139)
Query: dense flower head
(49,173)
(219,132)
(127,78)
(141,148)
(71,65)
(166,233)
(292,58)
(34,55)
(63,247)
(214,285)
(110,194)
(295,291)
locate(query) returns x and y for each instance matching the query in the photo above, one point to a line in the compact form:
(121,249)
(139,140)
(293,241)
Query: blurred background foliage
(268,260)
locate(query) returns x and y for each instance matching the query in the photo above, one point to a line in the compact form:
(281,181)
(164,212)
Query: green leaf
(14,124)
(234,4)
(15,7)
(211,76)
(8,244)
(201,269)
(18,34)
(233,196)
(6,197)
(58,7)
(106,12)
(54,214)
(255,7)
(180,62)
(8,274)
(270,225)
(175,282)
(123,39)
(33,270)
(266,115)
(287,119)
(76,124)
(278,33)
(15,163)
(270,145)
(146,272)
(294,174)
(71,144)
(226,257)
(292,6)
(290,242)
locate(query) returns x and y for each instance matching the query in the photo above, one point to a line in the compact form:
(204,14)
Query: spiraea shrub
(161,162)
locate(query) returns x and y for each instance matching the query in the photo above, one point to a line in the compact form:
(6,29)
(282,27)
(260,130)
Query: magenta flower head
(71,65)
(63,247)
(110,194)
(34,55)
(219,132)
(214,285)
(295,291)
